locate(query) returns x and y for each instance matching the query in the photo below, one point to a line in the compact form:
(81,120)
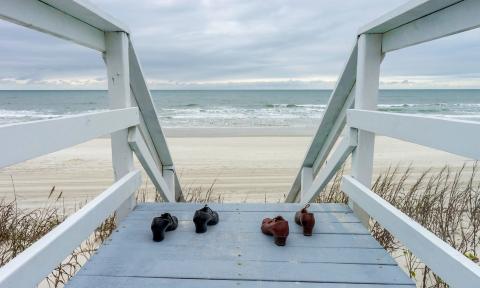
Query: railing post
(169,176)
(116,58)
(366,98)
(306,182)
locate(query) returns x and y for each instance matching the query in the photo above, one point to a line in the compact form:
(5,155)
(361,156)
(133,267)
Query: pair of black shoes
(203,217)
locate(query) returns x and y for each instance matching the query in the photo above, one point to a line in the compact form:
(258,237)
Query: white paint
(118,74)
(138,145)
(89,13)
(408,12)
(147,108)
(454,19)
(455,136)
(329,128)
(146,136)
(306,181)
(169,176)
(44,18)
(149,114)
(335,132)
(453,267)
(24,141)
(344,149)
(32,265)
(366,97)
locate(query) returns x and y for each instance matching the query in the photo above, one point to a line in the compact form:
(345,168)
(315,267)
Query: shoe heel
(158,232)
(280,240)
(200,225)
(307,231)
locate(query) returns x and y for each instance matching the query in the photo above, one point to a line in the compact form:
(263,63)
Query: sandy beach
(246,167)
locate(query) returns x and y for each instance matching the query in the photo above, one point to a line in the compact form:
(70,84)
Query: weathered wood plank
(140,225)
(211,240)
(246,207)
(248,270)
(324,217)
(151,252)
(128,282)
(236,252)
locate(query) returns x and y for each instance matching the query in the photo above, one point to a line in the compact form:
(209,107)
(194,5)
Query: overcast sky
(195,44)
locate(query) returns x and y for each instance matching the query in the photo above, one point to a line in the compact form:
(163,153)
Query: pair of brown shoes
(278,226)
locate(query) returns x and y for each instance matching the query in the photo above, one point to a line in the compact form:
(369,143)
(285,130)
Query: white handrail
(415,22)
(32,265)
(82,22)
(331,125)
(344,149)
(427,131)
(453,267)
(136,141)
(28,140)
(46,18)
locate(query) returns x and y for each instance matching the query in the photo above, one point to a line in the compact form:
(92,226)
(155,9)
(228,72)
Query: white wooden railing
(132,123)
(416,22)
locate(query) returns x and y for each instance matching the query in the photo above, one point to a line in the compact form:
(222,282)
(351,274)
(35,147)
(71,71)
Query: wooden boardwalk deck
(235,253)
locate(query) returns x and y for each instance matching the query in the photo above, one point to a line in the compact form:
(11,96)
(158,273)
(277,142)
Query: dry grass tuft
(20,228)
(445,202)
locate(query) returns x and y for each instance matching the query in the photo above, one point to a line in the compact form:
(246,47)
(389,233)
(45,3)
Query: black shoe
(166,222)
(204,217)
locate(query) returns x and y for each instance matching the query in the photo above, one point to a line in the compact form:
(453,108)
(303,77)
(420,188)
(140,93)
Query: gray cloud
(234,43)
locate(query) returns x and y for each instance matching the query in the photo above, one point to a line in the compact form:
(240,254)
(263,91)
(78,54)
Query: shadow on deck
(341,253)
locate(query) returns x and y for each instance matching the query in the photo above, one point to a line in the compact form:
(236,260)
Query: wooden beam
(118,75)
(453,267)
(147,108)
(89,13)
(146,136)
(454,19)
(45,18)
(138,145)
(306,181)
(37,261)
(24,141)
(335,104)
(454,136)
(408,12)
(344,149)
(335,132)
(366,97)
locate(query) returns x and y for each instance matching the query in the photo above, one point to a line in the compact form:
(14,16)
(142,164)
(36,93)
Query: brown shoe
(276,227)
(306,220)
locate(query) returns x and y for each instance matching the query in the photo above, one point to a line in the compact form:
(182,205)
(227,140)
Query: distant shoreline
(239,132)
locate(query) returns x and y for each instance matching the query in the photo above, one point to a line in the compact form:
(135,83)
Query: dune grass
(447,202)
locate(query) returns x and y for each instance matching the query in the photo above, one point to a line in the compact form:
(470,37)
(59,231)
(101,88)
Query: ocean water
(236,108)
